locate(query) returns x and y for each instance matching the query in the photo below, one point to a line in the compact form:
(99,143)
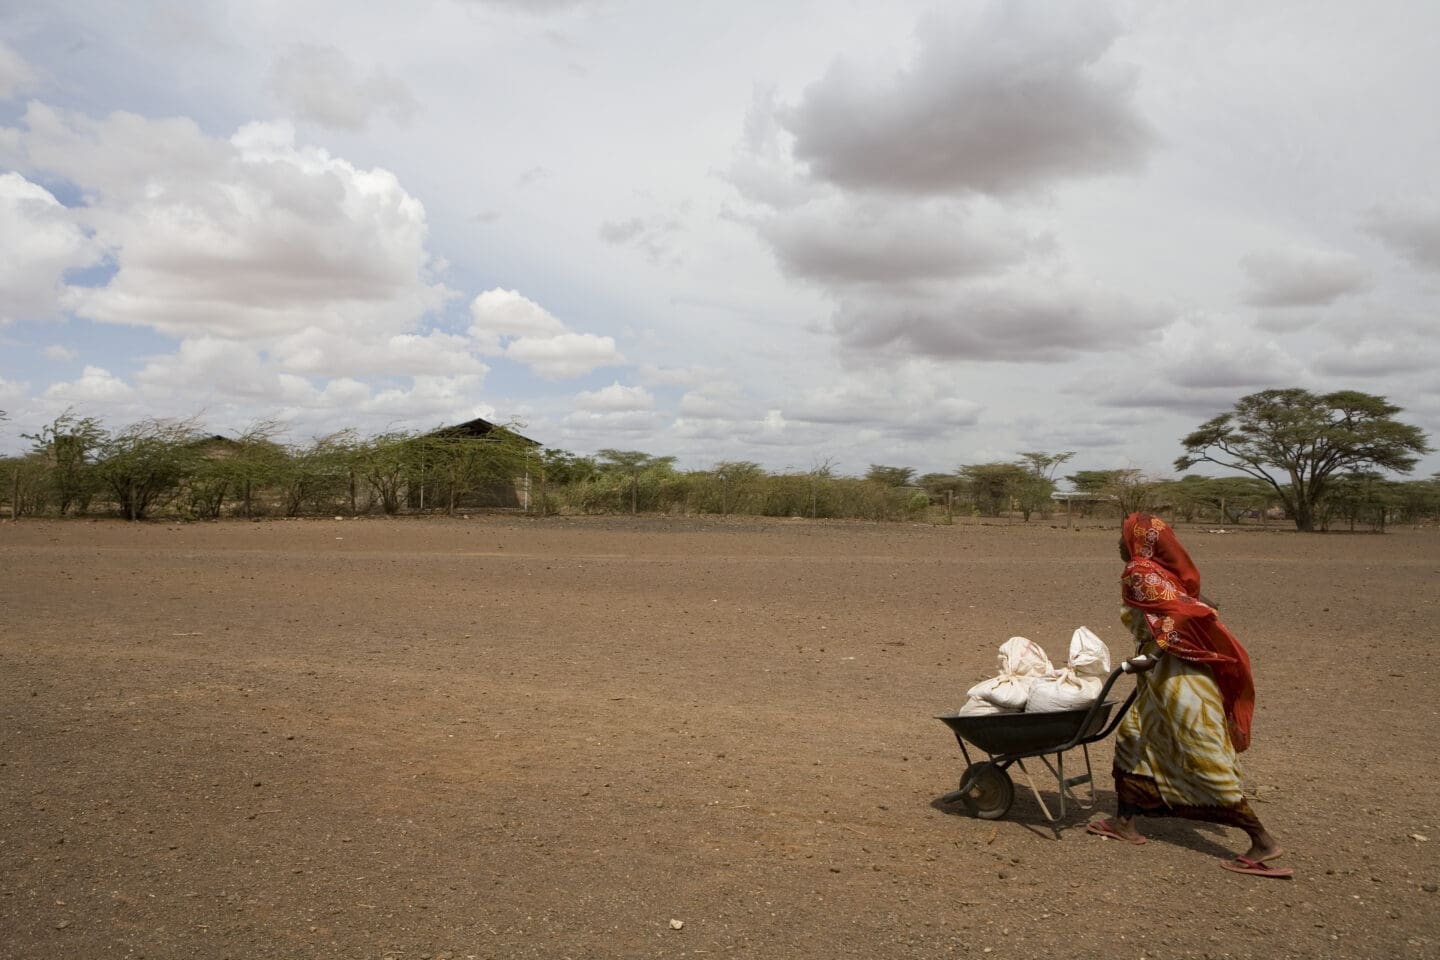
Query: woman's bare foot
(1116,830)
(1125,826)
(1262,846)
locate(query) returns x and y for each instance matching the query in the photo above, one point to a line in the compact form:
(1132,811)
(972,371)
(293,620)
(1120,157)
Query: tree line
(1316,460)
(77,466)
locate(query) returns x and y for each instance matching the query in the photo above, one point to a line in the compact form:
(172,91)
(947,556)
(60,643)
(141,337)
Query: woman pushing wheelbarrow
(1175,749)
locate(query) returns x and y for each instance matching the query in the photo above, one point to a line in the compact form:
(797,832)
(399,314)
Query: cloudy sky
(788,231)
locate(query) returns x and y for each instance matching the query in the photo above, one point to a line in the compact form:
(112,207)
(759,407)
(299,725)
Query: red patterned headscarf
(1162,582)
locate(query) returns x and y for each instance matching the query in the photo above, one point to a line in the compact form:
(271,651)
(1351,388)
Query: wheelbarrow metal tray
(1027,733)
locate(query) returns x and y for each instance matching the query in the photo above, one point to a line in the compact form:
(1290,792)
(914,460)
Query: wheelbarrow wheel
(990,796)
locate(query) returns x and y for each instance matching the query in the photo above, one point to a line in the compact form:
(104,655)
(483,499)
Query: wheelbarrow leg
(1088,779)
(1030,782)
(1068,784)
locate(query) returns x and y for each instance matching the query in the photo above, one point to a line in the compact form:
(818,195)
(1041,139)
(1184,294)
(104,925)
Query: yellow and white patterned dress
(1173,755)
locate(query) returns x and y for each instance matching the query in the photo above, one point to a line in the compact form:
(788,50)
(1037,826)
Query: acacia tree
(317,473)
(68,447)
(1230,498)
(1419,499)
(384,462)
(256,459)
(1132,490)
(737,478)
(821,472)
(890,476)
(633,463)
(1359,496)
(1296,441)
(1044,465)
(1034,493)
(208,481)
(146,464)
(560,469)
(994,485)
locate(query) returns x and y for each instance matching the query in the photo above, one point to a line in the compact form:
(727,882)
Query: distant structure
(481,429)
(512,493)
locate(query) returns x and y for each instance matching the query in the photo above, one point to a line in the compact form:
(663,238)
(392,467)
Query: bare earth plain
(501,737)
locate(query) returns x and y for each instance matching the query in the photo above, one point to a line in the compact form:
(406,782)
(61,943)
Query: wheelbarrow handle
(1115,674)
(1124,707)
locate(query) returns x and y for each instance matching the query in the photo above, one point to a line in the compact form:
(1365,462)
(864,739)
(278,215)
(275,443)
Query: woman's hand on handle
(1139,664)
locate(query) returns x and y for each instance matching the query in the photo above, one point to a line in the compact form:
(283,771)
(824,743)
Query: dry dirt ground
(501,737)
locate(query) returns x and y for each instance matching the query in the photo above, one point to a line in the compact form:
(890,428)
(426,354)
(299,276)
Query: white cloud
(315,350)
(1376,357)
(39,240)
(532,175)
(218,370)
(917,400)
(705,429)
(214,367)
(16,76)
(662,376)
(1294,320)
(597,429)
(842,240)
(252,237)
(1021,96)
(535,7)
(1034,318)
(918,197)
(321,85)
(1207,355)
(565,356)
(698,405)
(615,398)
(340,393)
(763,168)
(1206,362)
(96,385)
(652,237)
(497,314)
(764,435)
(508,324)
(425,403)
(60,353)
(11,393)
(1412,230)
(1302,277)
(432,398)
(621,231)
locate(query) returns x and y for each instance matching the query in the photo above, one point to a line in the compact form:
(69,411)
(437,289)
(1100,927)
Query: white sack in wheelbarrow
(976,707)
(1021,662)
(1079,684)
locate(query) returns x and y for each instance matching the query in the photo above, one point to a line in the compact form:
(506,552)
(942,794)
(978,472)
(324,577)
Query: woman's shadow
(1199,836)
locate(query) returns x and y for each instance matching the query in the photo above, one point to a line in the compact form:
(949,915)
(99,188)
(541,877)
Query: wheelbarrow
(986,790)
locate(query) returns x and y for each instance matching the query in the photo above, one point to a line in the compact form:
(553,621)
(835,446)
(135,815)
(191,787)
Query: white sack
(1021,662)
(976,707)
(1089,657)
(1024,658)
(1008,693)
(1079,684)
(1063,691)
